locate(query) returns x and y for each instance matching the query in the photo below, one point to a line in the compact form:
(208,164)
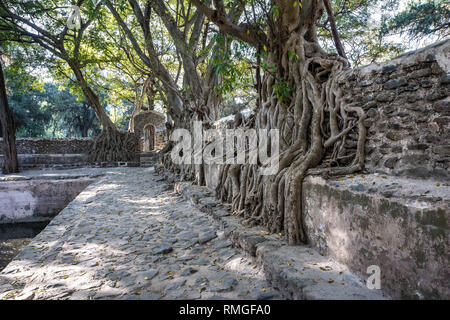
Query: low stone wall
(52,145)
(51,152)
(151,117)
(408,107)
(297,271)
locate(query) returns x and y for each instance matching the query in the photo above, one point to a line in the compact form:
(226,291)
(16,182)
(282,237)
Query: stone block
(420,73)
(388,68)
(390,162)
(393,84)
(442,106)
(385,97)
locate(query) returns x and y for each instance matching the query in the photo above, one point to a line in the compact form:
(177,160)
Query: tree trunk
(334,32)
(151,96)
(84,131)
(112,144)
(10,162)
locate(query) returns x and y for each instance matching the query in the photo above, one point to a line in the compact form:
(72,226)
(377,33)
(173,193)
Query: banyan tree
(299,95)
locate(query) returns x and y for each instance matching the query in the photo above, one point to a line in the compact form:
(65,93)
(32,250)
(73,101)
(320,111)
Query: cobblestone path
(129,236)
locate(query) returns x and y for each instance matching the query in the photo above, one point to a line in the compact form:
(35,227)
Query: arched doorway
(149,138)
(148,127)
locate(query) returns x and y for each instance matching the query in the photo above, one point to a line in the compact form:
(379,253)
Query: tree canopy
(121,46)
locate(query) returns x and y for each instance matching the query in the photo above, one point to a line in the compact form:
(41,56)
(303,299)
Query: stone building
(149,127)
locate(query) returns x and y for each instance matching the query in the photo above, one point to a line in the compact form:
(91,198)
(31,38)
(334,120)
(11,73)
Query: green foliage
(50,112)
(282,90)
(421,18)
(233,66)
(22,62)
(31,117)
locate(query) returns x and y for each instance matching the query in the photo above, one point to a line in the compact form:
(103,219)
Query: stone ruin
(149,126)
(72,152)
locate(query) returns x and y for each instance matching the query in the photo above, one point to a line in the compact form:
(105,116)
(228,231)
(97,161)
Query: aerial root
(114,145)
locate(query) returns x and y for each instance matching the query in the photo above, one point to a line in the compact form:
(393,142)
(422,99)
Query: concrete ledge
(300,272)
(52,158)
(401,225)
(36,199)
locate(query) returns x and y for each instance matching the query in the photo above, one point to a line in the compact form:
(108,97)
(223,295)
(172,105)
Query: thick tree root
(113,145)
(314,128)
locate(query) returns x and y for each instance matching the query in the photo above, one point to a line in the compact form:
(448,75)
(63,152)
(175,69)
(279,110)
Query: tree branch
(336,39)
(245,32)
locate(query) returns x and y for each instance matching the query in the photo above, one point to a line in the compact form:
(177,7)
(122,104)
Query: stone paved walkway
(129,236)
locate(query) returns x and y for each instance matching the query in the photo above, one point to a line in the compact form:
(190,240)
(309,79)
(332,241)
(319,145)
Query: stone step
(302,273)
(399,224)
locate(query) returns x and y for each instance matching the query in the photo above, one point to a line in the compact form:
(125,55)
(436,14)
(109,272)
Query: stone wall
(408,107)
(52,145)
(51,152)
